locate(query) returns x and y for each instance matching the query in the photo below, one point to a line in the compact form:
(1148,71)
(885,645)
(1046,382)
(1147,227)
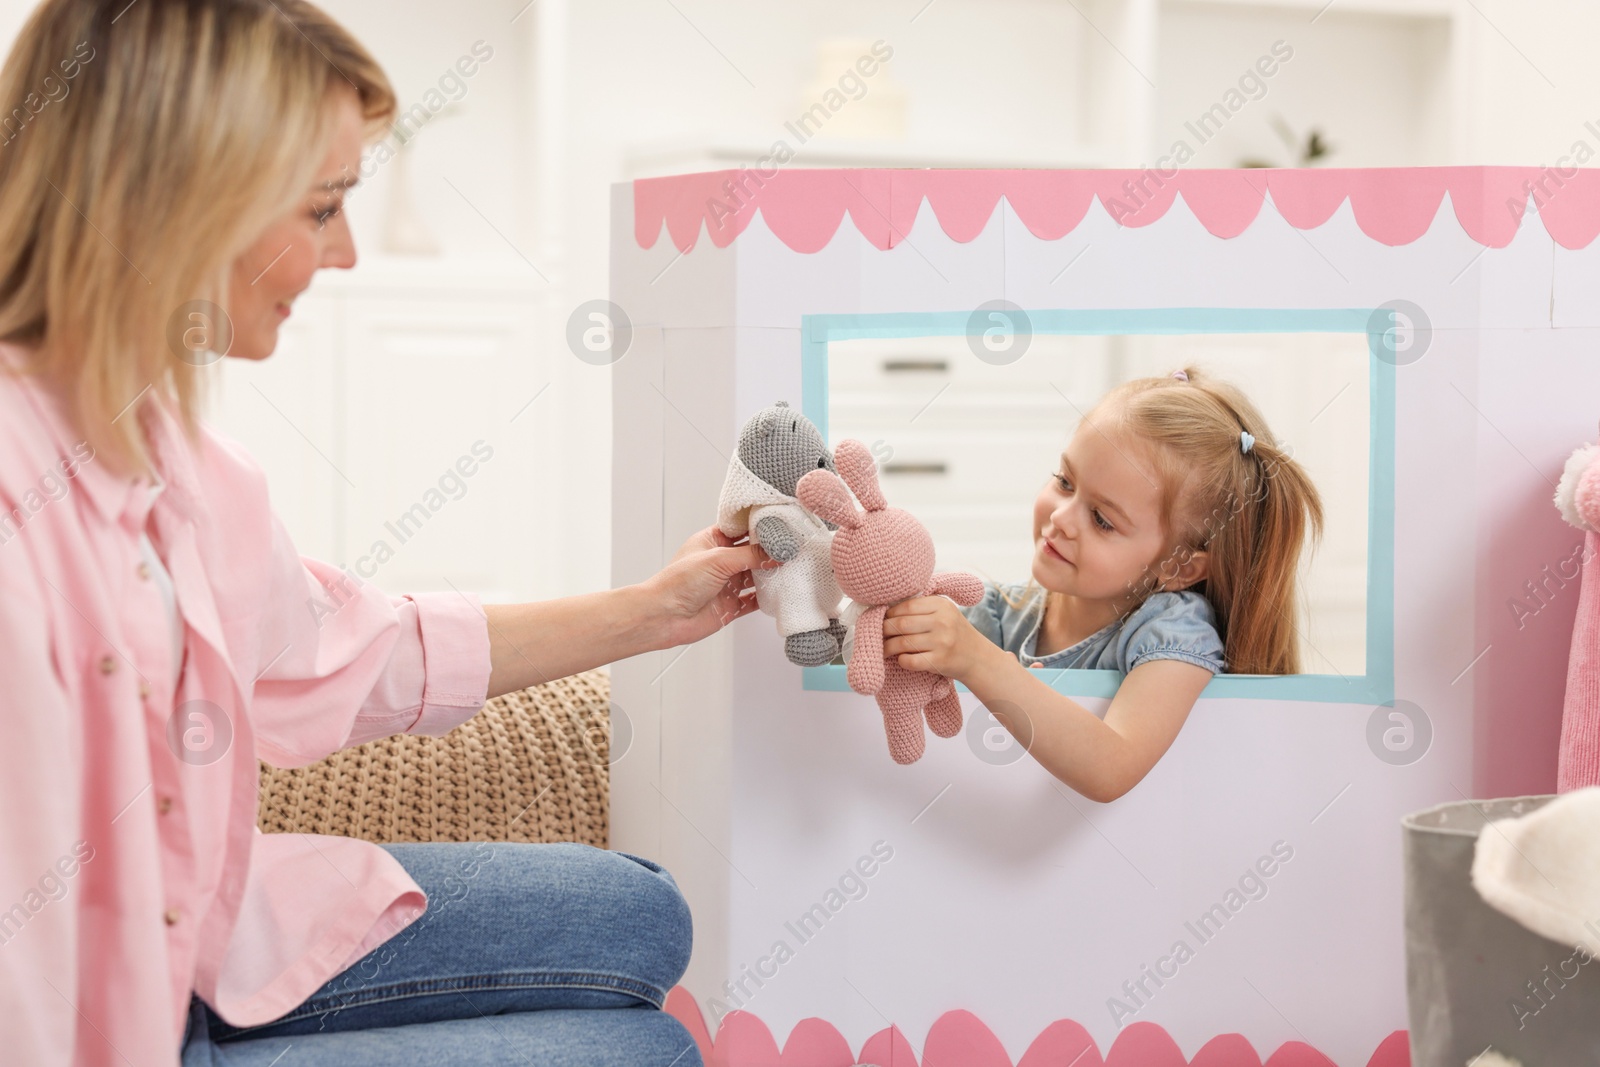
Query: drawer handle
(939,366)
(915,468)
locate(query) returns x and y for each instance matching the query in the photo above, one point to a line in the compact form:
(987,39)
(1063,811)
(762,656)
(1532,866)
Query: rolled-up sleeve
(345,663)
(437,675)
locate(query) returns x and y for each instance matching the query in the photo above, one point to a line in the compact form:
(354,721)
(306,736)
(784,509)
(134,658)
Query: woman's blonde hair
(1249,510)
(143,147)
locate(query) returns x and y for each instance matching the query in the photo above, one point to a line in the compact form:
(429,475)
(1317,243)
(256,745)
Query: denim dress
(1178,625)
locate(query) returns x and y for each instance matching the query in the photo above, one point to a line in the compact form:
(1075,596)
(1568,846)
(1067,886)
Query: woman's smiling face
(274,270)
(1096,522)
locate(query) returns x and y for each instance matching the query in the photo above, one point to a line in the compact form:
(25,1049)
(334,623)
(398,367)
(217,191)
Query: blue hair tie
(1245,441)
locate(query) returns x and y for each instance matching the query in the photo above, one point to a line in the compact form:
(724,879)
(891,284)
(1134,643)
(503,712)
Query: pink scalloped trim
(959,1039)
(1394,205)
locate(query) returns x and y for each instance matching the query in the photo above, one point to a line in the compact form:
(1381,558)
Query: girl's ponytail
(1255,556)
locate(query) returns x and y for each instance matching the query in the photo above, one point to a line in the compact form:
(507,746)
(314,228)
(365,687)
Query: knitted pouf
(531,766)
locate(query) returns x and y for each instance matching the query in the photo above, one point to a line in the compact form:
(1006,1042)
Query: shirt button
(144,571)
(164,805)
(144,689)
(107,664)
(172,916)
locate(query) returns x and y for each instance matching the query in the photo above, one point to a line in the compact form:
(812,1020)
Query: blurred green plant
(1301,154)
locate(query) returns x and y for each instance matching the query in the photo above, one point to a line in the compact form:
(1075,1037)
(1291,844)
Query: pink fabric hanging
(1579,762)
(1577,497)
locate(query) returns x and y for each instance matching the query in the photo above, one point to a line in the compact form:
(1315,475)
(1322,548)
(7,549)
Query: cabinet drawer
(952,409)
(921,365)
(919,467)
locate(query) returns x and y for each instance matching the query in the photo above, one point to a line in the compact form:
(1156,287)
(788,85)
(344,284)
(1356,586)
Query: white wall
(1389,72)
(1534,82)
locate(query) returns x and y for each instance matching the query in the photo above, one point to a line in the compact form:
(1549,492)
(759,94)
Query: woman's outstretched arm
(706,586)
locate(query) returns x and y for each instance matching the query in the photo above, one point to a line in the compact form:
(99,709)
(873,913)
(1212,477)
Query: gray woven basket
(1468,966)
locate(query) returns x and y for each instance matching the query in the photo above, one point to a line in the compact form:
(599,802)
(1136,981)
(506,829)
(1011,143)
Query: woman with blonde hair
(172,174)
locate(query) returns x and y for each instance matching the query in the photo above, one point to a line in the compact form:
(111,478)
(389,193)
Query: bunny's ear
(856,465)
(822,493)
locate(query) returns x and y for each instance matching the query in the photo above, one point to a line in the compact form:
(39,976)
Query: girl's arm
(1102,759)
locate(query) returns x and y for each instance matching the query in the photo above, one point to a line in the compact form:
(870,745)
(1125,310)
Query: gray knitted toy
(776,448)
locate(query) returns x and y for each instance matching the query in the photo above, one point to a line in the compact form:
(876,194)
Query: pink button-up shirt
(131,869)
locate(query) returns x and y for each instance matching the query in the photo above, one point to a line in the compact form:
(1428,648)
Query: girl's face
(274,270)
(1096,524)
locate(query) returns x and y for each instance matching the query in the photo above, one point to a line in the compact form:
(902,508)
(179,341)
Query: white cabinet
(399,430)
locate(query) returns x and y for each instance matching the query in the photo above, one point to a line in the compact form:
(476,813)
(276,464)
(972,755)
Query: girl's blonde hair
(143,147)
(1249,510)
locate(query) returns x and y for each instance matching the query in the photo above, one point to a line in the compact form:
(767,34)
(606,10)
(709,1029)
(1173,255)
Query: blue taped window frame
(1374,687)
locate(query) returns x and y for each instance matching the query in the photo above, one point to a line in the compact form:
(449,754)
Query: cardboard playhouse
(1243,903)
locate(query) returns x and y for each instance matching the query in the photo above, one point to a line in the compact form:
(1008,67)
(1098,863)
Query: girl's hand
(929,633)
(706,586)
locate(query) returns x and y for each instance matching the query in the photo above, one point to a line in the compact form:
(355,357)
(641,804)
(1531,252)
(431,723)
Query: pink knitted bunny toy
(881,557)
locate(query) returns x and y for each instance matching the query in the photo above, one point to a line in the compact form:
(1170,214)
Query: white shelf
(688,155)
(1404,9)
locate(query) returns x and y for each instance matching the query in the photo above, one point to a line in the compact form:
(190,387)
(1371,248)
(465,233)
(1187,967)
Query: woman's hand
(929,633)
(706,586)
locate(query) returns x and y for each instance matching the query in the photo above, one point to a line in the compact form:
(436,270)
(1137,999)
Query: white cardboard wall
(1007,894)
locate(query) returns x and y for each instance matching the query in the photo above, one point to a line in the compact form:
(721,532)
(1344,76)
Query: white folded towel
(1491,1058)
(1543,869)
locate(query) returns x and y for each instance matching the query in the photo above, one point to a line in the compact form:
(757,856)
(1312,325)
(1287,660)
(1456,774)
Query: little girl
(1166,547)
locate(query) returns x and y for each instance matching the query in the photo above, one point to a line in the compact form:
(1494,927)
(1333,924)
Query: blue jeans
(555,954)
